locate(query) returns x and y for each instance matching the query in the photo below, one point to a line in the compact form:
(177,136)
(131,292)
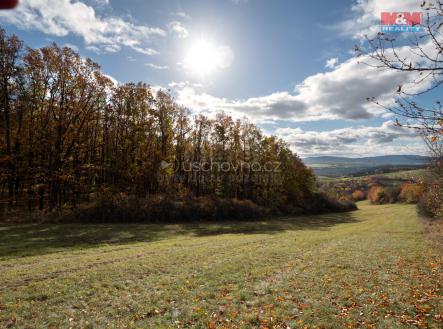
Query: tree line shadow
(40,239)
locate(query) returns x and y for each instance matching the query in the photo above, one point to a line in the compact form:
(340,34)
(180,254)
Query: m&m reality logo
(401,21)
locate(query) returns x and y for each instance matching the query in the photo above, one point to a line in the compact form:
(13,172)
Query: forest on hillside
(69,135)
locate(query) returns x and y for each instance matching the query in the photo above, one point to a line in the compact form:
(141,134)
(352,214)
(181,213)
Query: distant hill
(333,166)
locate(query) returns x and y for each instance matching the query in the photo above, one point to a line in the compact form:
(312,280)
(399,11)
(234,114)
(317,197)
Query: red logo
(401,18)
(8,4)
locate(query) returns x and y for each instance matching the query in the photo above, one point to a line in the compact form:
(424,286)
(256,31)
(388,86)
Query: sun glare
(204,57)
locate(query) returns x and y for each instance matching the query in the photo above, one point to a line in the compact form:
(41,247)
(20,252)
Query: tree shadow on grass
(32,240)
(272,226)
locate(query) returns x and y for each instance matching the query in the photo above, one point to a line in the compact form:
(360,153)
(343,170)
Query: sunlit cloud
(341,93)
(64,17)
(178,29)
(156,67)
(331,63)
(355,140)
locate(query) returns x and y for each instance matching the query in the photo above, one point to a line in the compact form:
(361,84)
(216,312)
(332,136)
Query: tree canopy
(67,131)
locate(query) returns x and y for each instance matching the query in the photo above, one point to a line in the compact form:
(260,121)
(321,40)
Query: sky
(287,66)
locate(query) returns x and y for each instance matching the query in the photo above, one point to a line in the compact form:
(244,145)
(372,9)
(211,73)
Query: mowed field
(396,175)
(373,268)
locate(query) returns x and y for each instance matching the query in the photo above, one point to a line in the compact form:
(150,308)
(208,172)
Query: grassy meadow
(373,268)
(396,175)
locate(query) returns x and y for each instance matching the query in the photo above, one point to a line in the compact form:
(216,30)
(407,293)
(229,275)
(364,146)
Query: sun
(201,58)
(204,57)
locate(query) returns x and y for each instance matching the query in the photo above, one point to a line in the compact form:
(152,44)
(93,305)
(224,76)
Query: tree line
(67,131)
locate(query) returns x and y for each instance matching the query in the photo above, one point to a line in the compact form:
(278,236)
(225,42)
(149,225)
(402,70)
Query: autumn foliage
(68,133)
(410,192)
(430,203)
(374,194)
(358,195)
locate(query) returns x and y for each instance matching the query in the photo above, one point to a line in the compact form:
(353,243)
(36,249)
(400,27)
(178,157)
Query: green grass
(402,174)
(374,268)
(409,174)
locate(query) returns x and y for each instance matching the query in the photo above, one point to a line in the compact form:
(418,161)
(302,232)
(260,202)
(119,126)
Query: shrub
(382,195)
(111,208)
(392,193)
(358,195)
(322,203)
(410,193)
(430,203)
(376,194)
(158,209)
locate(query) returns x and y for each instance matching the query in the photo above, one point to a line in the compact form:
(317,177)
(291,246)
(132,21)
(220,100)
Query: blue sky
(286,65)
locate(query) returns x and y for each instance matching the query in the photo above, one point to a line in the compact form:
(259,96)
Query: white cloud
(157,67)
(183,84)
(362,140)
(64,17)
(178,29)
(182,14)
(341,93)
(338,94)
(331,63)
(104,49)
(272,107)
(101,2)
(145,51)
